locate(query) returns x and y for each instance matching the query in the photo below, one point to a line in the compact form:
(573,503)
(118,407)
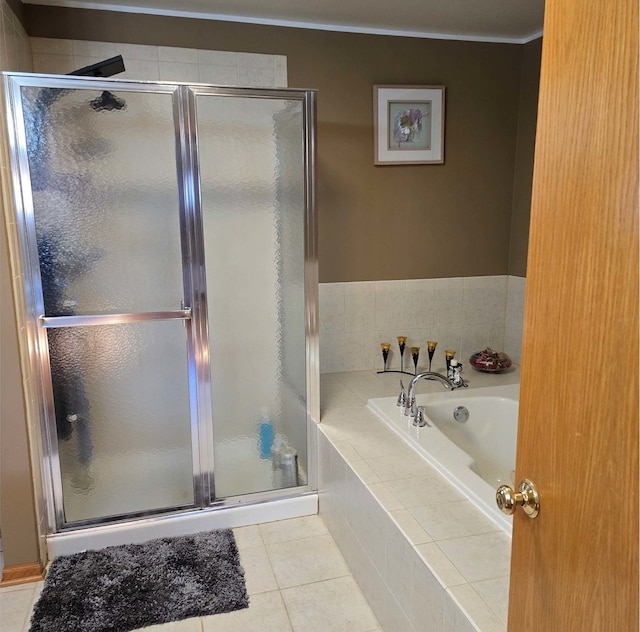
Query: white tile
(256,60)
(428,489)
(397,467)
(419,303)
(410,527)
(218,75)
(51,46)
(266,613)
(455,619)
(281,74)
(476,609)
(192,624)
(177,54)
(377,386)
(103,50)
(390,306)
(217,58)
(331,307)
(385,496)
(440,565)
(392,617)
(336,395)
(314,559)
(140,52)
(364,472)
(484,299)
(332,355)
(447,301)
(427,598)
(259,576)
(479,557)
(16,599)
(376,444)
(443,521)
(398,574)
(140,70)
(256,77)
(336,605)
(292,529)
(178,71)
(53,64)
(247,537)
(358,350)
(478,337)
(359,306)
(496,593)
(14,621)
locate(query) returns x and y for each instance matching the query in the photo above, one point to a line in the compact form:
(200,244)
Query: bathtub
(477,455)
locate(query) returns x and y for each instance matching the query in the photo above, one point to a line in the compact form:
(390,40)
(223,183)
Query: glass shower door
(251,156)
(107,229)
(167,239)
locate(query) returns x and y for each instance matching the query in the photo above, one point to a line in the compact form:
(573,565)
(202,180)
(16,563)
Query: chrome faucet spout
(410,404)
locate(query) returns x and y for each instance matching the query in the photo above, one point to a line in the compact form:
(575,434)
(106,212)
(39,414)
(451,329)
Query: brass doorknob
(527,497)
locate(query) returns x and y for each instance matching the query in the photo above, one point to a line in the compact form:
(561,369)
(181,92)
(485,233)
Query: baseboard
(21,574)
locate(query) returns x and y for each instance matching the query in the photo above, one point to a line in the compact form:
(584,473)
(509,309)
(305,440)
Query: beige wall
(17,506)
(375,223)
(523,167)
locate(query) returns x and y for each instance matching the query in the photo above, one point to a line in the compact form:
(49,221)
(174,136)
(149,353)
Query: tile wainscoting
(463,313)
(424,556)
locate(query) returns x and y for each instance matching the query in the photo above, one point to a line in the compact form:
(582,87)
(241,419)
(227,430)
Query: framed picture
(408,125)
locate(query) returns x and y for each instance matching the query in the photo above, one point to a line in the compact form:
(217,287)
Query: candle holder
(431,349)
(402,341)
(449,354)
(386,346)
(415,354)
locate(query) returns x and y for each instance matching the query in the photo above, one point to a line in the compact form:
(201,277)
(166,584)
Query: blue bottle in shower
(265,438)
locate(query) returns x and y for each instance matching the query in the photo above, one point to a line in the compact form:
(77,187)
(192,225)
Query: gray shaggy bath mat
(123,588)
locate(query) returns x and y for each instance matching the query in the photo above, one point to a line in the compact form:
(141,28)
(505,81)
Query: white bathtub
(477,455)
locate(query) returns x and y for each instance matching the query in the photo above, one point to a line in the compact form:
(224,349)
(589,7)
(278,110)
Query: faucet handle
(409,409)
(420,418)
(402,397)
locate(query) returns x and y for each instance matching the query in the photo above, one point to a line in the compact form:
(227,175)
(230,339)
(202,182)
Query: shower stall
(167,244)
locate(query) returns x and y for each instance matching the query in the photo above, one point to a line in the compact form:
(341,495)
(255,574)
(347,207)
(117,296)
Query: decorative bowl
(490,361)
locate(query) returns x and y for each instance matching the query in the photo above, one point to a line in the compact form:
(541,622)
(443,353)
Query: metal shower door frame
(193,312)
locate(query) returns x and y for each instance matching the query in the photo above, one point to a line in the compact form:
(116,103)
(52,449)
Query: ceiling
(486,20)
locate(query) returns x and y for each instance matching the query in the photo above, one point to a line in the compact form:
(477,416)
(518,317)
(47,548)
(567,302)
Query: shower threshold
(138,531)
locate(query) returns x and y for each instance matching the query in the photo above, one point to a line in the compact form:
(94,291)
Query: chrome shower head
(107,101)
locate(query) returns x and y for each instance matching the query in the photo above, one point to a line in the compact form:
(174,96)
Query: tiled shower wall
(163,63)
(465,314)
(15,51)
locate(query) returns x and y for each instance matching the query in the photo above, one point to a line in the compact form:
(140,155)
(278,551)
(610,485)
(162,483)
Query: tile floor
(296,579)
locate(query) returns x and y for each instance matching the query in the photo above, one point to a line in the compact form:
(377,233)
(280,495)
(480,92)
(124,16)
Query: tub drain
(461,414)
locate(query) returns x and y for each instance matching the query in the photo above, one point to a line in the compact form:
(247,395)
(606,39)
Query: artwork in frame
(408,125)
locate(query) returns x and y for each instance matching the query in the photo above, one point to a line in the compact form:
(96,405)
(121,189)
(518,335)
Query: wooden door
(575,567)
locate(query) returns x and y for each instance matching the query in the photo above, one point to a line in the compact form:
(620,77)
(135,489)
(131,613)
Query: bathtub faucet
(410,405)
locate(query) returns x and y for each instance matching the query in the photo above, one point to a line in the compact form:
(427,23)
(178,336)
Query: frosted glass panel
(123,435)
(252,178)
(104,183)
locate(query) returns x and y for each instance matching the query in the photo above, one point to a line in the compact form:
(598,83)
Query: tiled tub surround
(463,313)
(427,560)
